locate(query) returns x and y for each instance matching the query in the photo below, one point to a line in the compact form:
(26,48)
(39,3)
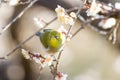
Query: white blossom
(13,2)
(37,60)
(38,22)
(72,14)
(63,17)
(60,11)
(61,76)
(107,23)
(25,54)
(36,53)
(68,20)
(117,5)
(63,31)
(48,60)
(94,9)
(106,7)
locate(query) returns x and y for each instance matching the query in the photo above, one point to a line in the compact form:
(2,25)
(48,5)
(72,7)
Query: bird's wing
(42,37)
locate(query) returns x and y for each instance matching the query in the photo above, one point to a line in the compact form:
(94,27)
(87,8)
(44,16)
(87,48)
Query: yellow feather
(54,43)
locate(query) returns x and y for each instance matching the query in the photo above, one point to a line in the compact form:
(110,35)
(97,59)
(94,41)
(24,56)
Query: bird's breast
(54,43)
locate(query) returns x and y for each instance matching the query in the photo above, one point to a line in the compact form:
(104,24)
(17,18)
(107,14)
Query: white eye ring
(57,37)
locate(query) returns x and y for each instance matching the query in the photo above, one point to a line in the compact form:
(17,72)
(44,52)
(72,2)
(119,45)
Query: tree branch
(17,17)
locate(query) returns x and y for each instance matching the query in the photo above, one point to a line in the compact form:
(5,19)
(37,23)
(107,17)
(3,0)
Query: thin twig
(57,63)
(52,69)
(17,17)
(58,58)
(78,30)
(71,26)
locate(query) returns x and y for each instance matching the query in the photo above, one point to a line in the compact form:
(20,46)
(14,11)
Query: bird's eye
(57,37)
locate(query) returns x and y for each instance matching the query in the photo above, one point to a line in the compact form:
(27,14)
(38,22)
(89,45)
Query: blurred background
(88,56)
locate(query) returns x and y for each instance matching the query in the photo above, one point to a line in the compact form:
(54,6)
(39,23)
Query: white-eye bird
(51,39)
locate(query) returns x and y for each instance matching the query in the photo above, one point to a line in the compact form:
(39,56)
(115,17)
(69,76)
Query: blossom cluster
(63,17)
(98,7)
(61,76)
(100,10)
(46,60)
(107,14)
(39,22)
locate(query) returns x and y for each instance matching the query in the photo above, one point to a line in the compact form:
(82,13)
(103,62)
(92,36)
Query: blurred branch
(17,17)
(70,28)
(55,68)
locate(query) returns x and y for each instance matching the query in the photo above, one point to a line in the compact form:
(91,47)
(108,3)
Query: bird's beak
(38,33)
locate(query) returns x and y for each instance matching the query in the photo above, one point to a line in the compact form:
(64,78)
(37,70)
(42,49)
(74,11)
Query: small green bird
(51,40)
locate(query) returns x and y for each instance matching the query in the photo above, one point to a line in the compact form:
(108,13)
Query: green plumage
(51,39)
